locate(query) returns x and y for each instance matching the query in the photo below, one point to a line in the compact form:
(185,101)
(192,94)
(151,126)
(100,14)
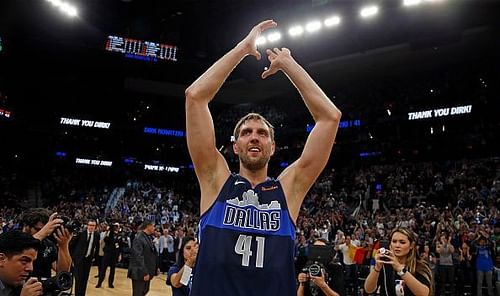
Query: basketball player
(247,220)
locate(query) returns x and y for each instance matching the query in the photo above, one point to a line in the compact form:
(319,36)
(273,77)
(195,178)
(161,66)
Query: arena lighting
(94,162)
(84,123)
(140,49)
(389,112)
(440,112)
(368,11)
(296,31)
(275,36)
(65,7)
(313,26)
(411,2)
(261,40)
(332,21)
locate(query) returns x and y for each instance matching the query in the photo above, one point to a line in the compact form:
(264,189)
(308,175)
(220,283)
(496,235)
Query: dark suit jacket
(143,258)
(79,246)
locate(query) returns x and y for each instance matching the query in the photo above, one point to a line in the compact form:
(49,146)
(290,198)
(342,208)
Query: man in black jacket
(112,249)
(84,249)
(144,261)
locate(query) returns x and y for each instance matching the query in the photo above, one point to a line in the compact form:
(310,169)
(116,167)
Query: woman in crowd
(398,271)
(180,274)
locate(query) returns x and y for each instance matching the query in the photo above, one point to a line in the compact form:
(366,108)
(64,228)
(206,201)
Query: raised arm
(300,175)
(210,166)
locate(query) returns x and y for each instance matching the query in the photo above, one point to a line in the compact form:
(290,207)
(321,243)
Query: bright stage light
(296,30)
(411,2)
(274,37)
(313,26)
(368,11)
(332,21)
(261,40)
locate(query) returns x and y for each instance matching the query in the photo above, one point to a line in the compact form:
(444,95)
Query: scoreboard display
(140,48)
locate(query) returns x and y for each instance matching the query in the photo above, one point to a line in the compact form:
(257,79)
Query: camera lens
(314,270)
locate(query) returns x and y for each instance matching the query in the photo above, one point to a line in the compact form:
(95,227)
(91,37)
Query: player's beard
(252,163)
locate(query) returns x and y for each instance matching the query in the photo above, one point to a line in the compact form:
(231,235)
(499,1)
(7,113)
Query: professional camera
(71,225)
(313,269)
(57,284)
(319,257)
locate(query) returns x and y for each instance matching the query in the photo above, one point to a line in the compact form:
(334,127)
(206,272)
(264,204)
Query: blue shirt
(182,291)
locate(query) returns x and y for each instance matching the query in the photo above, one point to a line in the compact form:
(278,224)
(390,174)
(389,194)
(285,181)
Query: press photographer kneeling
(321,276)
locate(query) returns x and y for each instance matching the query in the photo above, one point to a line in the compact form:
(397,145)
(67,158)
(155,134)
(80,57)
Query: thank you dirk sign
(440,112)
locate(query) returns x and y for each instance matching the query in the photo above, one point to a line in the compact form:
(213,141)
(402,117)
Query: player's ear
(235,148)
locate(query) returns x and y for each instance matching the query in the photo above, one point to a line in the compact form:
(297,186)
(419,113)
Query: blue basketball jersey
(246,242)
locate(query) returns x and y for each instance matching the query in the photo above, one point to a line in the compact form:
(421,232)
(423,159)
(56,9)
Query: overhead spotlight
(296,30)
(261,40)
(389,112)
(313,26)
(370,135)
(368,11)
(332,21)
(444,128)
(432,130)
(411,2)
(70,10)
(56,2)
(272,37)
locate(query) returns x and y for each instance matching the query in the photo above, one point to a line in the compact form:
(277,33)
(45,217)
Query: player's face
(400,244)
(16,269)
(254,146)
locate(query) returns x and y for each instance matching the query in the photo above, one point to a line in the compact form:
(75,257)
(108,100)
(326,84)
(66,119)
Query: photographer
(17,252)
(398,271)
(54,251)
(318,278)
(111,255)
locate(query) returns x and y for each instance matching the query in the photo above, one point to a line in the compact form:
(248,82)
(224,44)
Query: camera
(314,269)
(57,284)
(384,252)
(319,257)
(71,225)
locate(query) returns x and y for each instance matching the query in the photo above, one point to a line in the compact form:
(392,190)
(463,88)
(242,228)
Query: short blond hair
(252,116)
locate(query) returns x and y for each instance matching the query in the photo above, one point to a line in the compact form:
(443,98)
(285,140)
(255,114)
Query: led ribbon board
(342,124)
(94,162)
(163,132)
(440,112)
(161,168)
(84,123)
(144,50)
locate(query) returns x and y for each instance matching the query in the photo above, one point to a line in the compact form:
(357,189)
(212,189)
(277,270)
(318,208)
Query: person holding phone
(398,271)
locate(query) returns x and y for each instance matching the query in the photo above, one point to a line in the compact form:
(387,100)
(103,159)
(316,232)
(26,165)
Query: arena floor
(123,285)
